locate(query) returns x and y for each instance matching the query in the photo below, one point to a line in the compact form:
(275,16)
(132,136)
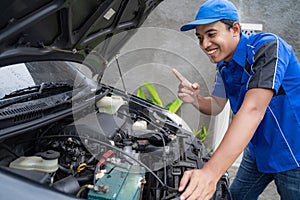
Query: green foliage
(173,106)
(141,94)
(201,134)
(155,99)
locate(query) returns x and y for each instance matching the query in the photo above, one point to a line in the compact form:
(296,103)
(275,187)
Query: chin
(215,61)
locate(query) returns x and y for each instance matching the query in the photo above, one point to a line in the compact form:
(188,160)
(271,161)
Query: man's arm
(202,183)
(211,105)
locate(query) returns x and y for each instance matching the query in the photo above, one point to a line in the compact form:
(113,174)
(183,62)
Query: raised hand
(187,91)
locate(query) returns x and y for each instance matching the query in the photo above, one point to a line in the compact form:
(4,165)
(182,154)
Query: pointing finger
(178,75)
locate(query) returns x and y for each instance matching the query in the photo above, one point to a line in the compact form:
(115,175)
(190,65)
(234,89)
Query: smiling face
(217,41)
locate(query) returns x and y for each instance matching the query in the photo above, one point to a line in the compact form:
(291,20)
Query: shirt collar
(240,52)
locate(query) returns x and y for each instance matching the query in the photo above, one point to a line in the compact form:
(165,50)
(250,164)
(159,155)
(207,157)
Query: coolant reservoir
(110,104)
(139,125)
(45,162)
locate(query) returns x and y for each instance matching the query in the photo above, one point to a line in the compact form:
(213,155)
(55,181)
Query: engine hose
(122,152)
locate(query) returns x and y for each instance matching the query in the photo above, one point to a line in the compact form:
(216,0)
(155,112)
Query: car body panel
(67,29)
(91,135)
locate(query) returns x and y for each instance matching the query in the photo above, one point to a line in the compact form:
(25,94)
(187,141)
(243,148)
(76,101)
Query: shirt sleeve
(271,61)
(219,89)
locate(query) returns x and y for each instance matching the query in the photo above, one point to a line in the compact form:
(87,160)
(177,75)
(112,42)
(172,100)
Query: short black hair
(228,23)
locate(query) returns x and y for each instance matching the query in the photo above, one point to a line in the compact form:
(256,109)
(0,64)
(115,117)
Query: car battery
(120,182)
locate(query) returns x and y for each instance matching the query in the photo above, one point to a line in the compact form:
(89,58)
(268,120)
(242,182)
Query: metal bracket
(248,28)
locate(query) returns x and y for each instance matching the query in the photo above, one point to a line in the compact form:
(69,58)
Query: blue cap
(212,11)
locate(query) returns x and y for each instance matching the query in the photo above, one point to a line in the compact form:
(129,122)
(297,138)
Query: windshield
(19,76)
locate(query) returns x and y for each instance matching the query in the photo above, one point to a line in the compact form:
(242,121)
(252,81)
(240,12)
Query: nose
(205,43)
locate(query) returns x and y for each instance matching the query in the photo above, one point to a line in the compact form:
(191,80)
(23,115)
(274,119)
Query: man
(260,76)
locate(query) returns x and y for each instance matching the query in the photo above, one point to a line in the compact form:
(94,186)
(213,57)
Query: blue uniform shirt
(266,61)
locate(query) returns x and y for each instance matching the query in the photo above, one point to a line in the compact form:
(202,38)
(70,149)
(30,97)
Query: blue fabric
(218,89)
(272,63)
(212,11)
(249,183)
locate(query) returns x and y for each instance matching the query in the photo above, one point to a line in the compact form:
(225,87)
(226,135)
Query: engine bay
(131,149)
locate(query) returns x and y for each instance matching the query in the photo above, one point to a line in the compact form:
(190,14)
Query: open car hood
(70,30)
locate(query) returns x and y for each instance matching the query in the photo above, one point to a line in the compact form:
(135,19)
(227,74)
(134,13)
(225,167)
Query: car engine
(131,149)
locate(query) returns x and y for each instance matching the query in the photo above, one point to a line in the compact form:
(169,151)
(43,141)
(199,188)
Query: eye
(211,35)
(200,38)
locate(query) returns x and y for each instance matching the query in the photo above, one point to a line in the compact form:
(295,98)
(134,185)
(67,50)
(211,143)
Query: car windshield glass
(24,75)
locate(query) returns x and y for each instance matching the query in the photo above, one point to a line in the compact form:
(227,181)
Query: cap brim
(195,23)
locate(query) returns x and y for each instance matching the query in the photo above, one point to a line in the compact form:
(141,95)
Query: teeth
(211,52)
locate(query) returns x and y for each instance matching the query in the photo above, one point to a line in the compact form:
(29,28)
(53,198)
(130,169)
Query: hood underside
(67,29)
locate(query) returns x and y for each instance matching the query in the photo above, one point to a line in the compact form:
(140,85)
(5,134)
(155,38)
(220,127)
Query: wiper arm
(34,92)
(39,89)
(23,91)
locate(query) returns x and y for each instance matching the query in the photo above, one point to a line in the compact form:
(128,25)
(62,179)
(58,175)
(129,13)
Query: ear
(236,29)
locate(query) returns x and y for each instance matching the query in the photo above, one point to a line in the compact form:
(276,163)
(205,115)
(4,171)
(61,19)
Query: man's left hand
(198,184)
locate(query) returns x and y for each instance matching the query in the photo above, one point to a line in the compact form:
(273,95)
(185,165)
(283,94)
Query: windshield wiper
(35,92)
(39,89)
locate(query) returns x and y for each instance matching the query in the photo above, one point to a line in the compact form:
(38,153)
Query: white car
(64,134)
